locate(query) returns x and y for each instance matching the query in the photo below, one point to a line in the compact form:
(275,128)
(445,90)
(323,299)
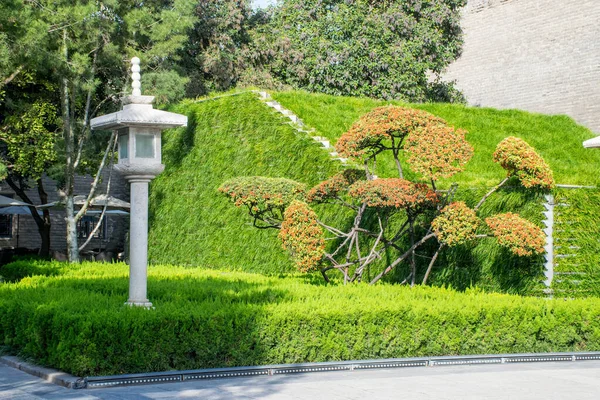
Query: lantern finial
(135,76)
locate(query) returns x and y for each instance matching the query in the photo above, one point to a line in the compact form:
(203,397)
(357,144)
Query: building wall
(537,55)
(29,236)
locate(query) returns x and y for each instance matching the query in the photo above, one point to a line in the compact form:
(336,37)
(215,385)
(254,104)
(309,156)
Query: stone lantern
(592,143)
(138,126)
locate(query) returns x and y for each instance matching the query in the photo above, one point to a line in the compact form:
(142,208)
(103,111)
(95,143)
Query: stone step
(296,120)
(264,95)
(570,273)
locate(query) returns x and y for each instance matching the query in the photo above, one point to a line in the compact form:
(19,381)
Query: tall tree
(82,49)
(28,132)
(212,57)
(377,48)
(28,116)
(392,216)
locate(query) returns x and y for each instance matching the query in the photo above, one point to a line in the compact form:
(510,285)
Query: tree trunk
(68,136)
(71,222)
(44,229)
(72,245)
(43,223)
(413,263)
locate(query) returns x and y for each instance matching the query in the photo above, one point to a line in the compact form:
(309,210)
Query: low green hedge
(74,319)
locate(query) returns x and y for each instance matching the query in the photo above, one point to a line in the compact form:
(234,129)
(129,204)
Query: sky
(261,3)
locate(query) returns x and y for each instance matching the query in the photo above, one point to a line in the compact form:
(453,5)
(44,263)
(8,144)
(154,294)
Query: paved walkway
(565,380)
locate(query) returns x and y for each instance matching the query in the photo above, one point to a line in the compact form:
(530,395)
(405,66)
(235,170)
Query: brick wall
(29,237)
(537,55)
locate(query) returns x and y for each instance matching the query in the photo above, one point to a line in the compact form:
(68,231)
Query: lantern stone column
(138,126)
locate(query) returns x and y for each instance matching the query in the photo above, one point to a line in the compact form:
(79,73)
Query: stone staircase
(299,125)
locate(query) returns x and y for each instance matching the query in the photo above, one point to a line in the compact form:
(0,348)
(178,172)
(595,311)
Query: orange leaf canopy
(393,192)
(519,159)
(456,224)
(383,123)
(521,237)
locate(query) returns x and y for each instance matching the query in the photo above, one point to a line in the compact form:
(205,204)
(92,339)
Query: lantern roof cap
(594,142)
(137,110)
(138,115)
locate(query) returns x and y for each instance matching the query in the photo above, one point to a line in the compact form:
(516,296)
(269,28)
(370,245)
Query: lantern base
(145,304)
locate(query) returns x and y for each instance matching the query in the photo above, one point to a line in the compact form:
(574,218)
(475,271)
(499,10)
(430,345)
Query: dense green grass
(577,243)
(191,223)
(72,317)
(557,138)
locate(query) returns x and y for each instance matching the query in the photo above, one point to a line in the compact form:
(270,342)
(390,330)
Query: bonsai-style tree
(402,214)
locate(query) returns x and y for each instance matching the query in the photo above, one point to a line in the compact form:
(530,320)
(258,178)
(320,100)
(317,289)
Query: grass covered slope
(72,317)
(576,243)
(191,223)
(557,138)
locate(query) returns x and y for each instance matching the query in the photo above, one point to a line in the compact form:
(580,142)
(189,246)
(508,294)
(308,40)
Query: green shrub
(75,320)
(17,270)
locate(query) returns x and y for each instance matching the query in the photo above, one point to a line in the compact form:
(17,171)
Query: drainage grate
(314,368)
(587,356)
(224,374)
(92,383)
(217,373)
(537,358)
(397,364)
(466,361)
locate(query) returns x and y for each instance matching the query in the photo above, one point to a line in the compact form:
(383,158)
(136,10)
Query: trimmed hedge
(74,319)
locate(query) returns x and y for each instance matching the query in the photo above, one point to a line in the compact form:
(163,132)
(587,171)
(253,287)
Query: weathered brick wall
(537,55)
(29,237)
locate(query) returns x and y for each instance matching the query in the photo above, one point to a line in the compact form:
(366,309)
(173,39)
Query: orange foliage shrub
(380,124)
(302,236)
(332,187)
(393,192)
(438,151)
(260,193)
(520,159)
(456,224)
(522,237)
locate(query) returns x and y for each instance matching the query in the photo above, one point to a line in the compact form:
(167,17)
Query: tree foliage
(265,198)
(212,57)
(372,132)
(438,151)
(334,187)
(79,51)
(302,236)
(29,133)
(519,159)
(382,49)
(393,217)
(30,139)
(456,224)
(393,192)
(519,235)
